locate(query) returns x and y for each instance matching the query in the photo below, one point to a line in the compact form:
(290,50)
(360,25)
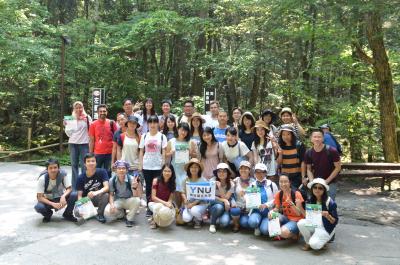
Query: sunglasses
(318,188)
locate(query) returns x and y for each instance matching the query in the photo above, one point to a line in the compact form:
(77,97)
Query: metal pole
(62,95)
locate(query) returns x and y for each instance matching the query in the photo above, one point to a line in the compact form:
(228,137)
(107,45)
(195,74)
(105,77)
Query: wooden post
(29,137)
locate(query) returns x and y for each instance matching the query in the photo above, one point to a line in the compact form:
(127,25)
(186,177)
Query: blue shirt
(328,139)
(87,184)
(220,134)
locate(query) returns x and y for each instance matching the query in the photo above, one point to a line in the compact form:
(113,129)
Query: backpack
(339,146)
(327,151)
(60,179)
(144,139)
(299,147)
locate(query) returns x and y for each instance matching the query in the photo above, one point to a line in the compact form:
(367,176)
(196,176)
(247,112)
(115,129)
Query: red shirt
(162,191)
(103,136)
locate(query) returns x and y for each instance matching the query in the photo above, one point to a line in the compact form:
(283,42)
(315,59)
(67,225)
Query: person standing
(78,142)
(166,105)
(322,161)
(329,139)
(121,121)
(211,120)
(246,133)
(152,155)
(236,114)
(289,118)
(220,130)
(101,134)
(143,117)
(188,110)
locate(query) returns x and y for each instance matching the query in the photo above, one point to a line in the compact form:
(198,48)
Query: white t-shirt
(210,122)
(52,183)
(266,155)
(130,152)
(81,134)
(153,145)
(231,153)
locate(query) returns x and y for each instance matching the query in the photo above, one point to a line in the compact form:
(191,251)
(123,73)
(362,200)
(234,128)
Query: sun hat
(194,161)
(286,127)
(222,166)
(197,115)
(261,124)
(325,126)
(286,109)
(245,163)
(247,114)
(318,181)
(133,119)
(260,166)
(270,112)
(164,216)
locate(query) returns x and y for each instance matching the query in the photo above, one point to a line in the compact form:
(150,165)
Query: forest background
(331,61)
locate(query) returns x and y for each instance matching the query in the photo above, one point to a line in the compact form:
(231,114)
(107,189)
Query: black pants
(46,210)
(149,175)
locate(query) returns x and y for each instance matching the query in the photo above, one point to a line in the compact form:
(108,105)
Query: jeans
(259,219)
(332,190)
(46,210)
(243,217)
(217,211)
(290,225)
(149,175)
(77,152)
(104,161)
(101,202)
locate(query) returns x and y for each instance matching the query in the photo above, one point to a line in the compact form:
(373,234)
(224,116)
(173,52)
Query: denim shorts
(290,225)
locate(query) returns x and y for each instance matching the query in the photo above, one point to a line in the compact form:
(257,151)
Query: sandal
(306,247)
(153,225)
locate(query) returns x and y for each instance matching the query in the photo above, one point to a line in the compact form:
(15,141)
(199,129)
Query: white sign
(253,200)
(204,191)
(314,215)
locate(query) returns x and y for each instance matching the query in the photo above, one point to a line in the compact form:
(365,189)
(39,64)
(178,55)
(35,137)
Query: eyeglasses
(318,188)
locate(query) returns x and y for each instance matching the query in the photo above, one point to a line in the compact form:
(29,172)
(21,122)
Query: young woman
(170,129)
(121,121)
(258,219)
(288,203)
(128,145)
(246,133)
(210,152)
(162,195)
(194,209)
(78,142)
(269,117)
(235,151)
(196,129)
(178,152)
(291,156)
(289,118)
(236,114)
(264,148)
(219,209)
(144,116)
(152,155)
(317,237)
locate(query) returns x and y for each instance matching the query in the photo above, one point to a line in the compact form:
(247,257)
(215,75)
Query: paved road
(24,239)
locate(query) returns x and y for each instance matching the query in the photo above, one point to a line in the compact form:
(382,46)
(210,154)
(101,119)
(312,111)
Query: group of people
(160,155)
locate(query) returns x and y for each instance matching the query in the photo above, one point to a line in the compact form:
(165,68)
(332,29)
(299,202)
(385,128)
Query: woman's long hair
(257,139)
(152,110)
(171,182)
(200,127)
(203,144)
(83,111)
(282,143)
(324,197)
(227,180)
(166,129)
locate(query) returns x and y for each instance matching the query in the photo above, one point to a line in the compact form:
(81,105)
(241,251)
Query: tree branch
(361,53)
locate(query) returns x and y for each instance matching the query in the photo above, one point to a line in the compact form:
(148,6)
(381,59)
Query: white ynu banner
(204,191)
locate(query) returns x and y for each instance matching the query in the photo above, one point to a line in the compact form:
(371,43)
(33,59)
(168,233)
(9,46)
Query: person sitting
(239,213)
(162,195)
(54,191)
(125,193)
(288,203)
(194,209)
(93,183)
(317,237)
(258,219)
(219,209)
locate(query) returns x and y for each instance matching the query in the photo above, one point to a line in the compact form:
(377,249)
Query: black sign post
(210,94)
(98,98)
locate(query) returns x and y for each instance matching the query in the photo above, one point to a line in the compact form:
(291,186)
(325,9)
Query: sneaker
(149,213)
(153,225)
(101,218)
(143,203)
(70,218)
(46,219)
(257,232)
(128,223)
(212,229)
(197,225)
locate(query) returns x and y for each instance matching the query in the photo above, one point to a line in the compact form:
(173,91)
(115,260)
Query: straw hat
(261,124)
(194,161)
(197,115)
(286,109)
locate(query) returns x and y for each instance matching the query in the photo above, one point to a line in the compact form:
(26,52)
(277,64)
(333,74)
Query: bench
(386,171)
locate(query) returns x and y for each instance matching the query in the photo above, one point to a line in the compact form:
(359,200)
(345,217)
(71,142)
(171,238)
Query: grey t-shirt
(66,183)
(120,190)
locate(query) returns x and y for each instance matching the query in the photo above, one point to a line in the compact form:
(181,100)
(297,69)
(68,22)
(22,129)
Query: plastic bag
(274,226)
(84,208)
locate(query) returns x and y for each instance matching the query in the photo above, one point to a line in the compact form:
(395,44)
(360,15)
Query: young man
(212,119)
(94,184)
(188,110)
(322,161)
(54,191)
(166,109)
(125,193)
(220,130)
(101,134)
(329,139)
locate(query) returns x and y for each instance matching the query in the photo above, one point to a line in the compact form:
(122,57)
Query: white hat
(260,166)
(245,163)
(222,166)
(318,181)
(164,216)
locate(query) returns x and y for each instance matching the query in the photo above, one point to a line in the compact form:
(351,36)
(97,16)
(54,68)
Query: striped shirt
(291,161)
